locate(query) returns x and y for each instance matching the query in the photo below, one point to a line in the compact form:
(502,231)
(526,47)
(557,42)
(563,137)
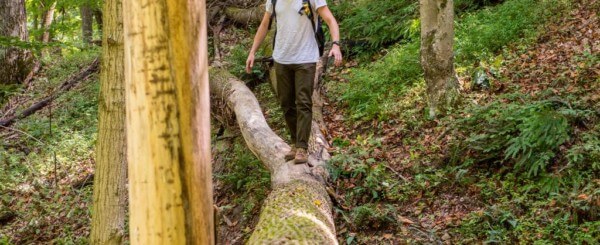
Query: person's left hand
(337,54)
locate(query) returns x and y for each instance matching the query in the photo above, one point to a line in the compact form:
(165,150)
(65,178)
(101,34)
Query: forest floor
(444,200)
(397,178)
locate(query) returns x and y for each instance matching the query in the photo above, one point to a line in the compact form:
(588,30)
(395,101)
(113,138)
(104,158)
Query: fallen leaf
(405,220)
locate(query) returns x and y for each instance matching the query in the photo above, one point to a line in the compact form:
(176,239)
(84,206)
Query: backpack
(309,12)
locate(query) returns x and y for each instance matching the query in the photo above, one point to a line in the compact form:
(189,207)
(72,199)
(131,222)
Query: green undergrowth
(374,89)
(375,24)
(522,167)
(50,151)
(371,25)
(245,176)
(242,183)
(536,162)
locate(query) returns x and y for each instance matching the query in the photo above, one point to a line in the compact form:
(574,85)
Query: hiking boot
(291,154)
(301,156)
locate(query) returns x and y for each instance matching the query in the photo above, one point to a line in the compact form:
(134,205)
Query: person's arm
(334,29)
(258,39)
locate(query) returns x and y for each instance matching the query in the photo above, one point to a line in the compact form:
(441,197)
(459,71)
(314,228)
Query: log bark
(437,58)
(168,122)
(298,210)
(15,62)
(245,17)
(110,182)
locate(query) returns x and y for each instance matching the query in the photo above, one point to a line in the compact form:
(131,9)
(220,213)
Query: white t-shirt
(295,41)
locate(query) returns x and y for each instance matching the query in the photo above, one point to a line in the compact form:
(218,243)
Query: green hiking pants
(294,90)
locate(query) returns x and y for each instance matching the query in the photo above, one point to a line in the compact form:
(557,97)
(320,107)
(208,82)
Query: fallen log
(65,86)
(298,210)
(245,16)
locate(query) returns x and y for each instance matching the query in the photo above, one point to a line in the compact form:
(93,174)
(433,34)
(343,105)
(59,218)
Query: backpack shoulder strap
(273,14)
(310,14)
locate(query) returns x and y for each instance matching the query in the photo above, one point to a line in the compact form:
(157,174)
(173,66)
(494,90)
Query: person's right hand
(250,63)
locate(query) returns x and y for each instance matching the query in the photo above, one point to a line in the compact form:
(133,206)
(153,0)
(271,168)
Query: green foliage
(462,6)
(14,42)
(372,90)
(4,240)
(483,33)
(521,214)
(359,166)
(236,64)
(7,90)
(586,152)
(245,175)
(27,162)
(528,134)
(375,87)
(379,23)
(372,216)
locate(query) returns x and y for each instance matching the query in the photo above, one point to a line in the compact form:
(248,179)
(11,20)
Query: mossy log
(245,16)
(298,210)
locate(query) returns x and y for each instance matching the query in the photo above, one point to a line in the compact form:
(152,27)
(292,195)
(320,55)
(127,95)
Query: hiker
(295,53)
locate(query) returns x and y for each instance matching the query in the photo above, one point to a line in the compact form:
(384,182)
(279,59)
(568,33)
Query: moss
(297,212)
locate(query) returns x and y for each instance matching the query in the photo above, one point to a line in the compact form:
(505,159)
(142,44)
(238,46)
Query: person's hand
(250,63)
(337,54)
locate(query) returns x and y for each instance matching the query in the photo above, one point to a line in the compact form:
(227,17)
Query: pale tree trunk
(168,122)
(15,63)
(437,59)
(47,19)
(110,181)
(298,210)
(86,22)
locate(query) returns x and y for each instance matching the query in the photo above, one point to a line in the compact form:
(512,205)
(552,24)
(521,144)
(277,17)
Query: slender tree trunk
(110,181)
(168,121)
(437,59)
(86,22)
(98,18)
(15,63)
(48,17)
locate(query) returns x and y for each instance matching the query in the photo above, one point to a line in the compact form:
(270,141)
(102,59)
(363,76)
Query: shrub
(376,22)
(527,134)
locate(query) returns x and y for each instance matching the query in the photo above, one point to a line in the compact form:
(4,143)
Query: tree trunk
(168,122)
(110,181)
(47,19)
(437,59)
(86,22)
(98,18)
(298,210)
(15,63)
